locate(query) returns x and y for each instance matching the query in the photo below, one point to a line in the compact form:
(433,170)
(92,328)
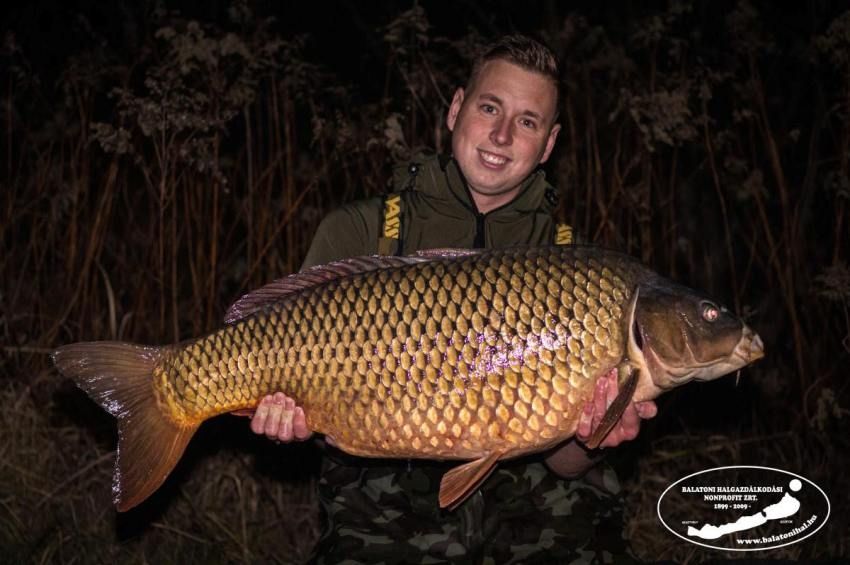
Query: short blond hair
(522,51)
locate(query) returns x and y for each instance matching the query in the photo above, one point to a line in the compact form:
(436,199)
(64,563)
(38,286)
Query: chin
(488,183)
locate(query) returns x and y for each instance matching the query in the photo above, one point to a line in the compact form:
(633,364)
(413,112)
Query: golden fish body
(440,359)
(480,355)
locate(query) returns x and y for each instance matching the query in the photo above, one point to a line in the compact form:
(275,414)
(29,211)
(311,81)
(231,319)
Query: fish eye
(710,311)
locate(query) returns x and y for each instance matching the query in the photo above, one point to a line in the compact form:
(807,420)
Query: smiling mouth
(491,159)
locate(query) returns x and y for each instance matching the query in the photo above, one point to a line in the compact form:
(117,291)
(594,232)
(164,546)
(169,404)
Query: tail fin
(119,377)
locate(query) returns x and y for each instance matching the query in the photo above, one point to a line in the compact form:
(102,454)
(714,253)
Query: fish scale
(453,354)
(439,359)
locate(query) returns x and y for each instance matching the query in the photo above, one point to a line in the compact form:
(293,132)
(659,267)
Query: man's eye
(488,109)
(528,124)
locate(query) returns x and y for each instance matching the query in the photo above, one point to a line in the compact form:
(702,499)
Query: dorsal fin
(448,252)
(258,299)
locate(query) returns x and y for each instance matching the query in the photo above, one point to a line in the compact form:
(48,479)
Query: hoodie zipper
(479,231)
(479,242)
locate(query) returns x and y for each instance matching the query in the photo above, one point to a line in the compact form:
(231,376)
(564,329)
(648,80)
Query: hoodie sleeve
(346,232)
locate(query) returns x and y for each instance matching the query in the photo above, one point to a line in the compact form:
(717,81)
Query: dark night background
(157,160)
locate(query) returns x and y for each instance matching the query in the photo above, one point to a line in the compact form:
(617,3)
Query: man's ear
(454,109)
(550,142)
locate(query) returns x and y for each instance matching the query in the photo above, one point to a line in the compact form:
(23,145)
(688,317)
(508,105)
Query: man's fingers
(285,429)
(585,422)
(630,422)
(258,421)
(628,426)
(299,425)
(278,418)
(647,409)
(626,429)
(600,400)
(273,420)
(613,388)
(604,395)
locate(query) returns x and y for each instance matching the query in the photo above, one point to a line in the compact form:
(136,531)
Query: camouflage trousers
(376,512)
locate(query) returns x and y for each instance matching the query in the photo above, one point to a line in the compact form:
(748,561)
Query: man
(489,194)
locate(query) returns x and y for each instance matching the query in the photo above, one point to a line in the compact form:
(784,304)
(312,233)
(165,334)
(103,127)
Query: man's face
(501,130)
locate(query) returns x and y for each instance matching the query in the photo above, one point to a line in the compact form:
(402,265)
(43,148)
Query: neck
(487,202)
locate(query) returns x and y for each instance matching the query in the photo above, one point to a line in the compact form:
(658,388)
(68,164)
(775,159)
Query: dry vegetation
(140,194)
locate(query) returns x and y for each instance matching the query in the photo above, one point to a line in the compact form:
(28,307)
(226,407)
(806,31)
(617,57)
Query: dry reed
(147,193)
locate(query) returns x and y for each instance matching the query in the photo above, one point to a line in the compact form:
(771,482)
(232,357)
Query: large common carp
(450,354)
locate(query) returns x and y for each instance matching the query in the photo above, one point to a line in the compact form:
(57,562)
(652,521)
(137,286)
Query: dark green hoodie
(437,211)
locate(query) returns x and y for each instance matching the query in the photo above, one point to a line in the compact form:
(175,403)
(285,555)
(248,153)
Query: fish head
(677,335)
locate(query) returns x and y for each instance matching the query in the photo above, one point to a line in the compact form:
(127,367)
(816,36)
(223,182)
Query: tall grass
(140,196)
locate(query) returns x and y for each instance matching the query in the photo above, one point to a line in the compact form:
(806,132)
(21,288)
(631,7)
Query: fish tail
(120,377)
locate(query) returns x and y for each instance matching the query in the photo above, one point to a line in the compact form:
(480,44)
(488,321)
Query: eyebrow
(497,100)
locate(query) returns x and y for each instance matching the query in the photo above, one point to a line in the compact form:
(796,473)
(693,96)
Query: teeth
(493,159)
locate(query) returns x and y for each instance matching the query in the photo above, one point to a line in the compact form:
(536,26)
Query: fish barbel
(473,355)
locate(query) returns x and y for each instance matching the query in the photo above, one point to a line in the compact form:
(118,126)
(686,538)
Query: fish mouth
(750,348)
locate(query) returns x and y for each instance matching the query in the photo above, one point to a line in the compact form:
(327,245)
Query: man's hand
(627,427)
(571,460)
(279,419)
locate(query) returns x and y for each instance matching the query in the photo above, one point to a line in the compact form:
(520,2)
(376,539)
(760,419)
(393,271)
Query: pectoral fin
(615,411)
(461,481)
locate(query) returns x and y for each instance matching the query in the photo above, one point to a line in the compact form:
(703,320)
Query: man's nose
(502,133)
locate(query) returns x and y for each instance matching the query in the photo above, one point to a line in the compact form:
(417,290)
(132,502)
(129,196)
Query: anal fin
(615,411)
(461,481)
